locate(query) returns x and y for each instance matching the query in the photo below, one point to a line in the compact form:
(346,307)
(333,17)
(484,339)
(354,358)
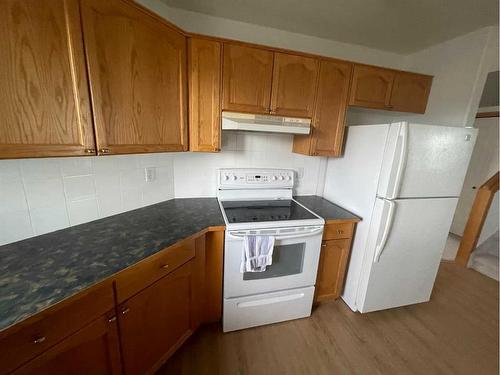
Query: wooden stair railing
(477,216)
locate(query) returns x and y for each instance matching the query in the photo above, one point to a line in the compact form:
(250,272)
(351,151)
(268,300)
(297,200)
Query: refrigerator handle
(385,236)
(403,133)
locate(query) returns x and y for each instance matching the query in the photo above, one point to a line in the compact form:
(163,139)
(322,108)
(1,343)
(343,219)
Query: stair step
(485,263)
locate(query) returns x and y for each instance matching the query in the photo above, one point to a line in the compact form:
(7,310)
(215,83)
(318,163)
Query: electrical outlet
(300,173)
(150,174)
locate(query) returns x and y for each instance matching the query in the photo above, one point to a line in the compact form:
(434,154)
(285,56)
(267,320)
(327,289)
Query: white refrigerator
(403,180)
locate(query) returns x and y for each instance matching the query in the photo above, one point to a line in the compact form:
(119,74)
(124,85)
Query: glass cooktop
(265,210)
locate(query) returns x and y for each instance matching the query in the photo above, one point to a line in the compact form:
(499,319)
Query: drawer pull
(112,319)
(165,266)
(340,231)
(39,340)
(125,311)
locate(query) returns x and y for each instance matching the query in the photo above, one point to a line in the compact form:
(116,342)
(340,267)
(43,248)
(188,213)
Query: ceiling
(400,26)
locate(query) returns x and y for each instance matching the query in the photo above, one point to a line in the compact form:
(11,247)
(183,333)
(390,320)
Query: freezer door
(425,161)
(404,249)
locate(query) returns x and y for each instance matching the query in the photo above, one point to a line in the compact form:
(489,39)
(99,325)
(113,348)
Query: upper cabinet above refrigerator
(425,161)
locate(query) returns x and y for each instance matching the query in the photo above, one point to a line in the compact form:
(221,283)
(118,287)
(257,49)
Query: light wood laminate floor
(455,333)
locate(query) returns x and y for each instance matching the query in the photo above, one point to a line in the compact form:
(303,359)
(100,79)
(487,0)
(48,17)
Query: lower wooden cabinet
(90,334)
(156,321)
(92,350)
(333,260)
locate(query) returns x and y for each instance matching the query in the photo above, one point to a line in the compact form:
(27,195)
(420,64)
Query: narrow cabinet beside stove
(334,257)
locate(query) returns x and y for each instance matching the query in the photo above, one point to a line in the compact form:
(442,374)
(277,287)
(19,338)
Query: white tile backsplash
(195,173)
(79,187)
(15,226)
(83,211)
(44,195)
(38,196)
(49,219)
(13,197)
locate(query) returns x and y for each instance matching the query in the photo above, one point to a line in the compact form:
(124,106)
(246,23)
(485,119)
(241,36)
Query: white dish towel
(257,253)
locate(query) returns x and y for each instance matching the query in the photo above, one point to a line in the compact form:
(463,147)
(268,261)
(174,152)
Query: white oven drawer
(267,308)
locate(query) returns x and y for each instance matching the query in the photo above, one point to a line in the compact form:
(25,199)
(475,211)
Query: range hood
(265,123)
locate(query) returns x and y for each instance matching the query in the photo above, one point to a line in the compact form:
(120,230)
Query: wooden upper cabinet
(92,350)
(205,83)
(247,77)
(156,321)
(44,100)
(137,69)
(410,92)
(294,85)
(329,112)
(371,87)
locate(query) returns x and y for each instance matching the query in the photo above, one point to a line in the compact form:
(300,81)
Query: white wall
(220,27)
(459,67)
(484,164)
(195,173)
(44,195)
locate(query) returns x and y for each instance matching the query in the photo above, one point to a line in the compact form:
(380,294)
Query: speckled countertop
(326,209)
(41,271)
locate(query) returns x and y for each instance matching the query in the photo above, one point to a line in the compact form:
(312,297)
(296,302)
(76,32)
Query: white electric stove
(259,202)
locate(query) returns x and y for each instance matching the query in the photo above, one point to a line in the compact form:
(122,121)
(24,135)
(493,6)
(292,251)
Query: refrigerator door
(425,161)
(404,248)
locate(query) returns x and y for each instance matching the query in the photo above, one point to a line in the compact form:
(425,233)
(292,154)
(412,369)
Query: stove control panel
(255,178)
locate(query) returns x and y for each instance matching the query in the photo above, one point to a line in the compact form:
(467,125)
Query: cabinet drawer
(146,272)
(338,231)
(29,338)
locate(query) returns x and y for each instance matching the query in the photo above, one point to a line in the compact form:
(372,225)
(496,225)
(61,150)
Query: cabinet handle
(340,231)
(104,150)
(389,106)
(323,245)
(89,150)
(125,311)
(39,340)
(112,319)
(165,266)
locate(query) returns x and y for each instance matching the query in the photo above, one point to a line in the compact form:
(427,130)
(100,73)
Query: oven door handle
(312,232)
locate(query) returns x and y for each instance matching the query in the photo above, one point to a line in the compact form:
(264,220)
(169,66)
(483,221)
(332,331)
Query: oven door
(295,261)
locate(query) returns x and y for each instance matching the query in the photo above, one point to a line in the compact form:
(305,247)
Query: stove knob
(281,178)
(275,178)
(226,177)
(235,178)
(288,178)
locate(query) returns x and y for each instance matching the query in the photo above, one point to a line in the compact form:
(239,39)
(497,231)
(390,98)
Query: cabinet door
(204,94)
(295,80)
(331,269)
(44,101)
(410,92)
(371,87)
(156,321)
(92,350)
(330,109)
(137,69)
(247,77)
